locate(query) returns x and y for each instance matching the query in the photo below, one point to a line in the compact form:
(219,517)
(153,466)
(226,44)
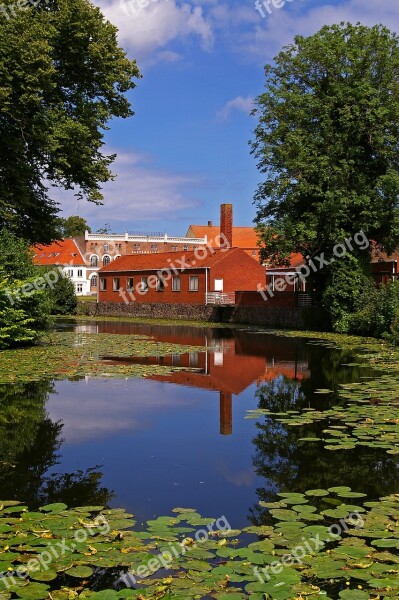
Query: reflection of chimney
(226,414)
(209,223)
(226,222)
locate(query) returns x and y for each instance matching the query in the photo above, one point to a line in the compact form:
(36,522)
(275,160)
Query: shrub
(23,318)
(378,309)
(63,300)
(24,310)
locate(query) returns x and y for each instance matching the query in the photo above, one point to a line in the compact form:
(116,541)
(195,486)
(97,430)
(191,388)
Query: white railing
(304,300)
(157,239)
(220,298)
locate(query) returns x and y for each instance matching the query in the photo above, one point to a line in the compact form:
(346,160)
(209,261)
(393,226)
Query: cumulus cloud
(241,104)
(141,193)
(145,32)
(260,41)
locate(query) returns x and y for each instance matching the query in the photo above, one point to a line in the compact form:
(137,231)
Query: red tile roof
(243,237)
(163,260)
(62,252)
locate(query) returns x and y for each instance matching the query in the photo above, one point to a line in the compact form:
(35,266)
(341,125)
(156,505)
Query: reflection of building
(230,367)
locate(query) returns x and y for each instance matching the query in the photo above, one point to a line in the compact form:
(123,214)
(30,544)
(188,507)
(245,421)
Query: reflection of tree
(289,465)
(29,445)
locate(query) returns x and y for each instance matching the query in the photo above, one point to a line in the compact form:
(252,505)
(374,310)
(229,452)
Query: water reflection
(182,439)
(29,447)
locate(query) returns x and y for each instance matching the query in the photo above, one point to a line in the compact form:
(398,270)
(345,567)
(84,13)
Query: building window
(185,248)
(194,283)
(94,261)
(116,284)
(80,272)
(94,281)
(106,247)
(117,256)
(144,284)
(129,284)
(70,272)
(79,288)
(136,247)
(176,360)
(176,284)
(103,284)
(253,252)
(194,359)
(160,284)
(154,247)
(106,260)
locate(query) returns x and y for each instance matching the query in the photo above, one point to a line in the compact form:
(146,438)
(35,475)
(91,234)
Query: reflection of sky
(159,445)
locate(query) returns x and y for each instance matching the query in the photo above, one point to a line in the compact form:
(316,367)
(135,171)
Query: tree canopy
(62,78)
(72,226)
(327,142)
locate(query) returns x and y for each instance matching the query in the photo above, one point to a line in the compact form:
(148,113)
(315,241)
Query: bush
(347,281)
(23,318)
(378,311)
(24,310)
(63,300)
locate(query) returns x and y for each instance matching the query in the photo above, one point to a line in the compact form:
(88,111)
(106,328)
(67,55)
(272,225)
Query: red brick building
(384,268)
(199,277)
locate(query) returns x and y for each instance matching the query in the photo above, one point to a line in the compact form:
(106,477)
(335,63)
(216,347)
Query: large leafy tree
(327,142)
(72,226)
(62,78)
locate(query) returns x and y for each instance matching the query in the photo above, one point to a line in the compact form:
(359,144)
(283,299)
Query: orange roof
(62,252)
(164,260)
(243,237)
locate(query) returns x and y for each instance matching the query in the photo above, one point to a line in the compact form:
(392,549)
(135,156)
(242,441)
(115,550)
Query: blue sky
(186,149)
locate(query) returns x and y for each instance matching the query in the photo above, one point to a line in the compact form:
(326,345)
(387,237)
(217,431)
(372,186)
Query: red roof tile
(163,260)
(62,252)
(243,237)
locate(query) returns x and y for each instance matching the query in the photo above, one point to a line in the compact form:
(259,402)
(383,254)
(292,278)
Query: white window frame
(176,280)
(192,279)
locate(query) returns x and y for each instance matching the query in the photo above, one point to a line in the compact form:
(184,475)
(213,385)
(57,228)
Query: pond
(182,439)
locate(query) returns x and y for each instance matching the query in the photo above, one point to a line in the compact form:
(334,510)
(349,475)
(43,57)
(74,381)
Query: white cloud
(145,32)
(262,40)
(137,409)
(141,193)
(241,104)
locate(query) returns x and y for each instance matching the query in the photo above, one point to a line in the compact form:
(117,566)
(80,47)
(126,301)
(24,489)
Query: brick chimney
(226,222)
(209,223)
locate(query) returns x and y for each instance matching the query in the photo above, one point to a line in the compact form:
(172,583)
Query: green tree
(327,144)
(72,227)
(62,78)
(24,306)
(61,293)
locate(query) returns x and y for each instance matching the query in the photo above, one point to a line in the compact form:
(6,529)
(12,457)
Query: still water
(149,445)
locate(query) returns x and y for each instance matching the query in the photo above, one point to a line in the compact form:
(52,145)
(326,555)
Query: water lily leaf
(354,595)
(80,572)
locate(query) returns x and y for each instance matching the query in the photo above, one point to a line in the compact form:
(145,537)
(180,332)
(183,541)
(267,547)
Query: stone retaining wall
(266,316)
